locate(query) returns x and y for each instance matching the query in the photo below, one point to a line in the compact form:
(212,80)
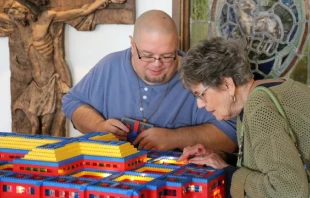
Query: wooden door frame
(181,16)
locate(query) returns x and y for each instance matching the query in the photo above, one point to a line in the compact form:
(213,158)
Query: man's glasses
(201,94)
(150,59)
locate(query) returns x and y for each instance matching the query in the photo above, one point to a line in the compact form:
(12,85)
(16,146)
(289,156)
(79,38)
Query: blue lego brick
(5,162)
(94,170)
(156,153)
(116,187)
(206,175)
(176,154)
(211,177)
(5,173)
(24,179)
(59,144)
(155,184)
(115,159)
(70,182)
(176,181)
(109,142)
(15,151)
(45,163)
(168,166)
(92,134)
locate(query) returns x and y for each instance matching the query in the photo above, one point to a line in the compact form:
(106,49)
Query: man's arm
(169,139)
(61,16)
(87,119)
(206,134)
(87,9)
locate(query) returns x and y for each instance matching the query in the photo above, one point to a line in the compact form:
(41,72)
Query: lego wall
(83,51)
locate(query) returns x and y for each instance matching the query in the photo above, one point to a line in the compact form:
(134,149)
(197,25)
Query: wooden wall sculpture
(39,74)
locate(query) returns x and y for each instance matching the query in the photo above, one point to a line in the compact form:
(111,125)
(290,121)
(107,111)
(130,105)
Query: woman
(274,145)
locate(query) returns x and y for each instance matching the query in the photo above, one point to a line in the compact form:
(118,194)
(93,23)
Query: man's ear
(132,42)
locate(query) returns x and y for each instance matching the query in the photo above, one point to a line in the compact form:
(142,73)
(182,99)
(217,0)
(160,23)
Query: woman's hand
(198,154)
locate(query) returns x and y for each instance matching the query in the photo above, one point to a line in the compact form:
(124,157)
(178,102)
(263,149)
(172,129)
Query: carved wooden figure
(39,73)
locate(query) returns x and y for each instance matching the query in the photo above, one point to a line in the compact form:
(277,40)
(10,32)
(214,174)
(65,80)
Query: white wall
(83,51)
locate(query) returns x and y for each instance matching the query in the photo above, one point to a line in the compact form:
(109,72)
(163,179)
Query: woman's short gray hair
(211,60)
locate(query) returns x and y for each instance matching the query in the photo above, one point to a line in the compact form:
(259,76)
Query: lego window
(52,193)
(30,191)
(7,188)
(74,194)
(168,192)
(62,193)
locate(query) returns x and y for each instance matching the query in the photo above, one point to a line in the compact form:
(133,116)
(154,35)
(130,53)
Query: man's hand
(113,126)
(156,139)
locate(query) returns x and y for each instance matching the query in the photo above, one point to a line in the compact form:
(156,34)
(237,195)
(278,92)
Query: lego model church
(97,165)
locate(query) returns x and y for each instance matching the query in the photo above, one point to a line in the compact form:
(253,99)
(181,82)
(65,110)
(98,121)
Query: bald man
(141,83)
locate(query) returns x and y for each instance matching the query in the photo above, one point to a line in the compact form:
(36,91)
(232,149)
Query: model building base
(97,165)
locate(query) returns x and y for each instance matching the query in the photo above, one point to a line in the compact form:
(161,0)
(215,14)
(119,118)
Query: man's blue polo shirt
(111,87)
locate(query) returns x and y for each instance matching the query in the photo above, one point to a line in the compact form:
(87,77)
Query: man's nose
(157,62)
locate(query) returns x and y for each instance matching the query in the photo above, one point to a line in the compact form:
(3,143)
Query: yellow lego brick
(168,161)
(107,153)
(89,148)
(6,166)
(52,157)
(91,173)
(133,178)
(106,137)
(23,143)
(109,146)
(146,168)
(22,139)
